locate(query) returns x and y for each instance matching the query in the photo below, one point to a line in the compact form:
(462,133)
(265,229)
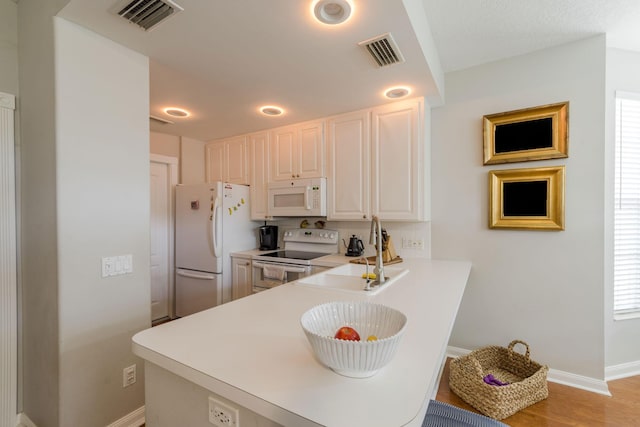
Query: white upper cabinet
(297,151)
(378,169)
(348,166)
(214,161)
(397,150)
(259,165)
(226,160)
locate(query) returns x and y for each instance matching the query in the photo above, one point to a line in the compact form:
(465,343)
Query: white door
(162,176)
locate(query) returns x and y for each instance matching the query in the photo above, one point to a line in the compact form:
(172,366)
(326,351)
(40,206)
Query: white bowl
(357,359)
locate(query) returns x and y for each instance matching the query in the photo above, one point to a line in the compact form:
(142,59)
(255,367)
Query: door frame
(172,164)
(9,350)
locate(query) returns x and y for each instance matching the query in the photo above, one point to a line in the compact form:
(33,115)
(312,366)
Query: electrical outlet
(222,415)
(129,376)
(412,243)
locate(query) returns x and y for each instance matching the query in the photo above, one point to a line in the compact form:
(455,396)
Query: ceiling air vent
(383,49)
(147,14)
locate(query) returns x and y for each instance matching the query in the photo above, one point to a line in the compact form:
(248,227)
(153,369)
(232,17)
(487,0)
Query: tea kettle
(355,247)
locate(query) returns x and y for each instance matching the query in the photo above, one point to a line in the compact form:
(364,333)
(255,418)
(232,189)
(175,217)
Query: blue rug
(441,414)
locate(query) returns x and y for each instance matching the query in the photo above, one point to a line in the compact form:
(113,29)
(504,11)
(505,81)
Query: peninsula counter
(253,355)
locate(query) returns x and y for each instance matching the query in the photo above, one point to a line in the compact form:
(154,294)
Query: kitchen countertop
(286,383)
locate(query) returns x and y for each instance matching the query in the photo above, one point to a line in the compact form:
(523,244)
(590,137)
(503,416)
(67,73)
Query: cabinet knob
(364,216)
(248,263)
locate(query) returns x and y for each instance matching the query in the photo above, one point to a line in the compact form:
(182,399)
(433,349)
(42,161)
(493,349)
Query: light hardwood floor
(569,406)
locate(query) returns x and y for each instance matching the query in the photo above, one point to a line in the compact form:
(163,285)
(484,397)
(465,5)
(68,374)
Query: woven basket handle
(476,366)
(513,343)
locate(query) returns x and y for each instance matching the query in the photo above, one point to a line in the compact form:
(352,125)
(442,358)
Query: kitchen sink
(348,278)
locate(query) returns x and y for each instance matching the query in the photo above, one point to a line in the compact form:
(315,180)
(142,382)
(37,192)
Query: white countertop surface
(253,351)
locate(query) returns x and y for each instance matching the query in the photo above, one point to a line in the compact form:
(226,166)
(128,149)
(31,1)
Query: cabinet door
(283,152)
(310,153)
(235,162)
(241,280)
(348,167)
(214,161)
(397,161)
(259,164)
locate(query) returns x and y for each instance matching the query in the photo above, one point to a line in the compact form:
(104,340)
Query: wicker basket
(527,380)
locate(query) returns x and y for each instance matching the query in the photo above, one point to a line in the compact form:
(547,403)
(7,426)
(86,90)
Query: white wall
(85,195)
(188,151)
(165,144)
(545,288)
(192,161)
(38,257)
(103,210)
(623,337)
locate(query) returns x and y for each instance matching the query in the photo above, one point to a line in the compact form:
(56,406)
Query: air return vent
(147,14)
(383,49)
(160,120)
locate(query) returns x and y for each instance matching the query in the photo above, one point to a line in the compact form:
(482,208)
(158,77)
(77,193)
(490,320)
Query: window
(627,206)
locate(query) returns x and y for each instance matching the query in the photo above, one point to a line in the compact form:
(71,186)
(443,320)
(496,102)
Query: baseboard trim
(24,421)
(556,376)
(132,419)
(623,370)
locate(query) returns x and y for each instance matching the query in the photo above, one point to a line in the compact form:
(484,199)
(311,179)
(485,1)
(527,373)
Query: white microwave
(297,197)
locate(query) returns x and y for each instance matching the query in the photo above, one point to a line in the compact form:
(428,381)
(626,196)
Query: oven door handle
(287,268)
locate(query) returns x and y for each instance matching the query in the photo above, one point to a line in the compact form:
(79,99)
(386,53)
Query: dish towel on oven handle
(274,272)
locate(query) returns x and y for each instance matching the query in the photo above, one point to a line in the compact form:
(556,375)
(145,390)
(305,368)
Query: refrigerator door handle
(214,227)
(186,273)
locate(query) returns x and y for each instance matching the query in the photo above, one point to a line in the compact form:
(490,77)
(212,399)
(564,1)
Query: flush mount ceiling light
(332,12)
(271,110)
(397,92)
(177,112)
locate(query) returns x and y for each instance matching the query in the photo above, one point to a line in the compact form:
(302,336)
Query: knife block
(388,250)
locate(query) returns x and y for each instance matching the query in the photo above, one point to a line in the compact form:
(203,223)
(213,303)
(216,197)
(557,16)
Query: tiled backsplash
(414,232)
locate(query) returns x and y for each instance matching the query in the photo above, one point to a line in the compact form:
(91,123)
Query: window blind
(627,205)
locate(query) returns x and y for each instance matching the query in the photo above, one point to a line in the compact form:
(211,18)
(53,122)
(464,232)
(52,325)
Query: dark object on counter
(268,237)
(355,248)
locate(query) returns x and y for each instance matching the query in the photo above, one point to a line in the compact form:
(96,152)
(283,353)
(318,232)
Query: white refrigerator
(212,220)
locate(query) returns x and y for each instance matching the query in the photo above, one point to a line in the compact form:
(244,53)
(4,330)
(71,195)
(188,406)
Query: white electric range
(295,260)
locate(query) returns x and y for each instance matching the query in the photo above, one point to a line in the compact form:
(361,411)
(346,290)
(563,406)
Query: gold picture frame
(529,199)
(536,133)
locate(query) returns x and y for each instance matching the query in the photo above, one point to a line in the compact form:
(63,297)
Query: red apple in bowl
(347,333)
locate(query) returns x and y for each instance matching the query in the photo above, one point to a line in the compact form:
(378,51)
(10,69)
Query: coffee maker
(268,237)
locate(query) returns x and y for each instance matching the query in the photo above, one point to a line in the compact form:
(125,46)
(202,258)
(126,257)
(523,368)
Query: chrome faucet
(367,287)
(375,238)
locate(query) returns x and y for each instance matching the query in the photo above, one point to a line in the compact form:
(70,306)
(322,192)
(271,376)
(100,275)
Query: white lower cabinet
(241,277)
(376,163)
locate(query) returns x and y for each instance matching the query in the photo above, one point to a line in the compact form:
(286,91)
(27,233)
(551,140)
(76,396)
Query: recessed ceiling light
(271,110)
(397,92)
(177,112)
(332,12)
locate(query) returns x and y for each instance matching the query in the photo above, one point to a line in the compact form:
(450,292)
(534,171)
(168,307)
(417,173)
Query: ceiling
(223,59)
